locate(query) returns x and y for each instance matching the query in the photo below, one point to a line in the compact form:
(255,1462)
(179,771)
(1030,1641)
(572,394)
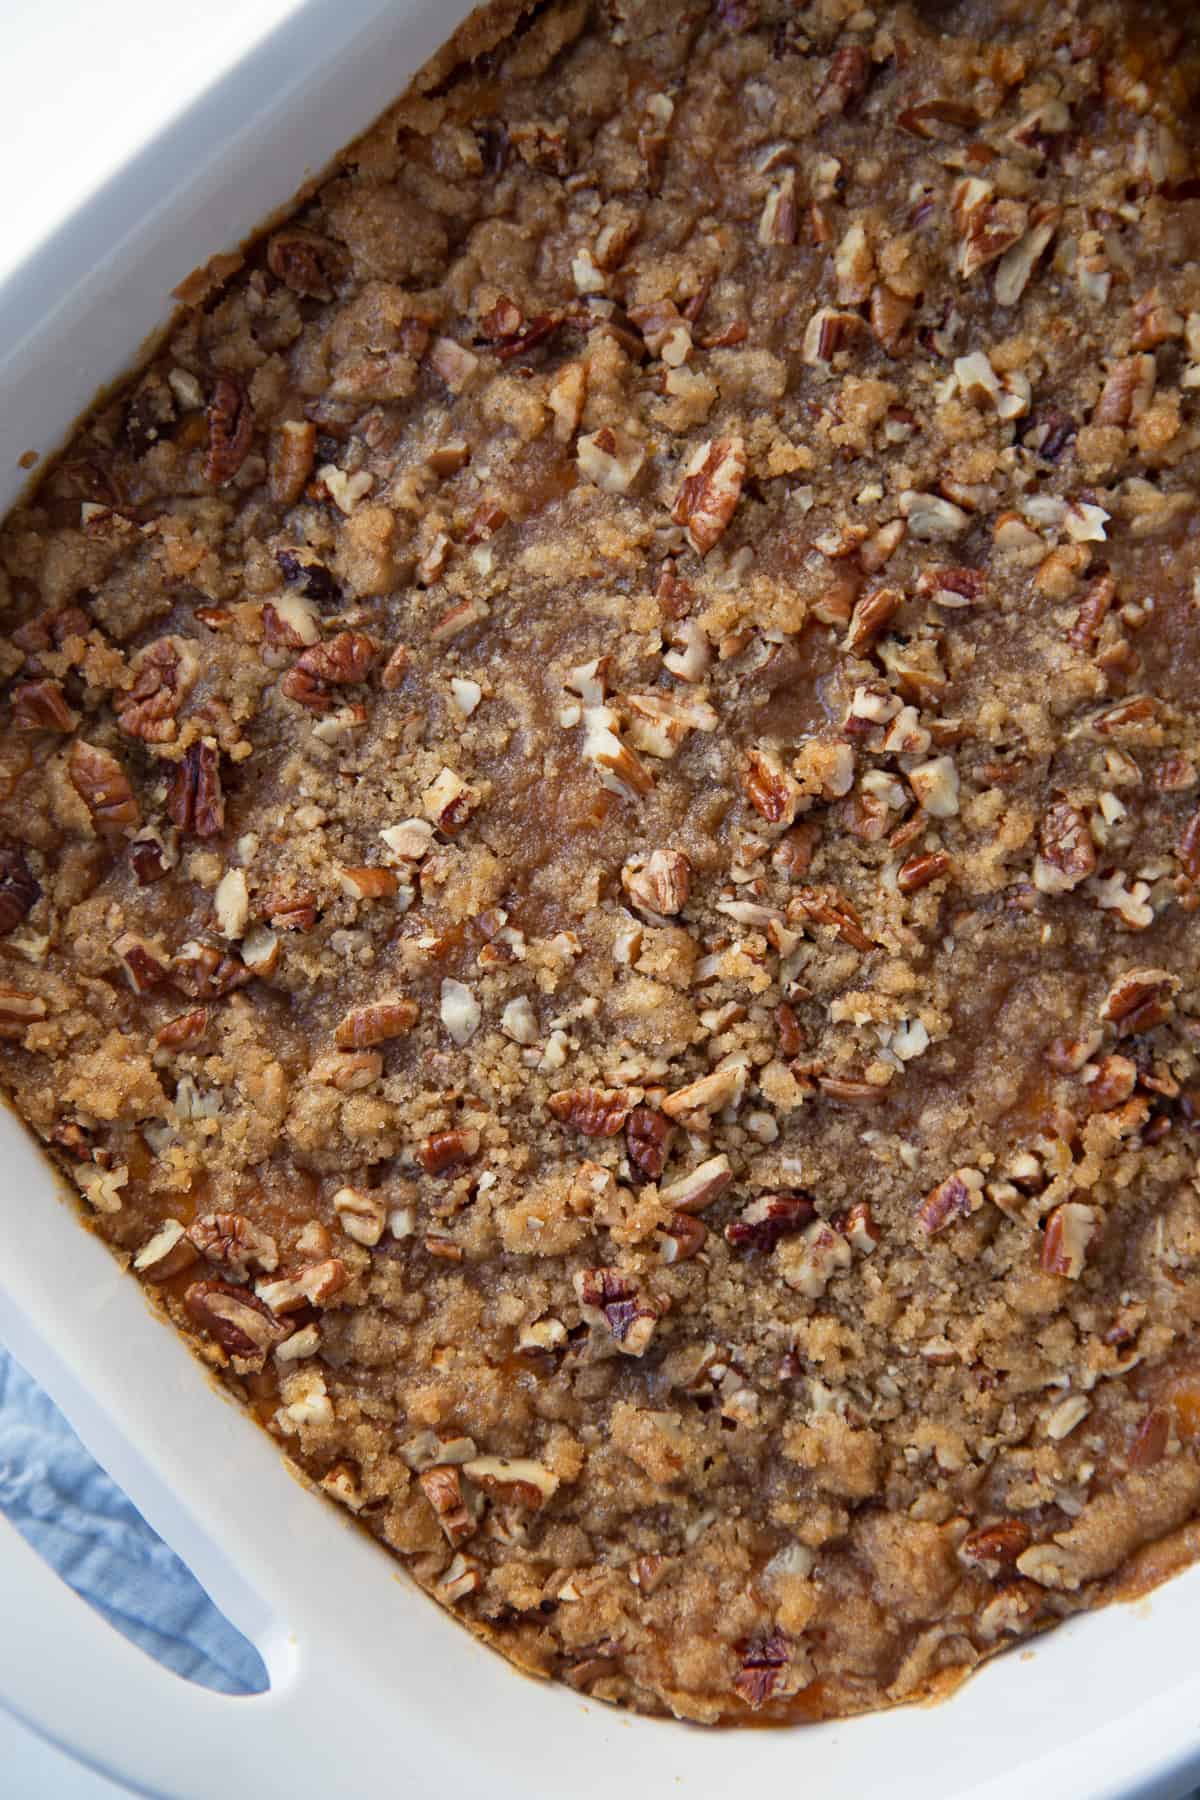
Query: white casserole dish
(372,1686)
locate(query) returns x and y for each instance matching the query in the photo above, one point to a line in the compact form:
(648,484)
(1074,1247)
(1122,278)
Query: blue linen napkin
(81,1523)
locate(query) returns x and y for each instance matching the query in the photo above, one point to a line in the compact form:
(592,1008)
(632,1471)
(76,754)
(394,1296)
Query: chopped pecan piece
(508,333)
(596,1112)
(234,1244)
(1068,854)
(243,1326)
(196,799)
(230,431)
(168,1252)
(995,1548)
(442,1151)
(711,488)
(694,1104)
(771,791)
(871,617)
(340,661)
(290,459)
(845,81)
(766,1658)
(1069,1230)
(19,890)
(660,883)
(1151,1438)
(188,1028)
(919,871)
(647,1142)
(41,706)
(204,973)
(809,904)
(1139,999)
(103,786)
(1189,847)
(613,1301)
(442,1488)
(1093,609)
(683,1238)
(361,1215)
(772,1217)
(315,1285)
(150,858)
(18,1011)
(145,965)
(368,1025)
(296,566)
(952,1199)
(516,1480)
(1113,1080)
(311,265)
(700,1186)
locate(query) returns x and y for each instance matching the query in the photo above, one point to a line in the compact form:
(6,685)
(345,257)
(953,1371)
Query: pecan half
(768,1219)
(765,1660)
(196,800)
(41,706)
(1139,999)
(596,1112)
(240,1323)
(340,661)
(647,1142)
(234,1244)
(103,786)
(711,488)
(230,431)
(613,1301)
(368,1025)
(163,674)
(19,890)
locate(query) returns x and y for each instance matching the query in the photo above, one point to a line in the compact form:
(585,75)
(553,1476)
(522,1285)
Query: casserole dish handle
(75,1680)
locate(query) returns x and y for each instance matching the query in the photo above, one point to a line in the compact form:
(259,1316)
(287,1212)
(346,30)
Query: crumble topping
(601,835)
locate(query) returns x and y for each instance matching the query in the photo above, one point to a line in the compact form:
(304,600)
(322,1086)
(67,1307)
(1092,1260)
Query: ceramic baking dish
(372,1687)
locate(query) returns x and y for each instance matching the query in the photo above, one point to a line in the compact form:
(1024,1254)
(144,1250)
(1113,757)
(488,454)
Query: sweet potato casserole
(600,839)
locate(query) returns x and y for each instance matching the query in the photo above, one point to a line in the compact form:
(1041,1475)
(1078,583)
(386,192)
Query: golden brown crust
(600,835)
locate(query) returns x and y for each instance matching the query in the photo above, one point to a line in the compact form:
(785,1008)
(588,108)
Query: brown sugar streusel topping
(601,831)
